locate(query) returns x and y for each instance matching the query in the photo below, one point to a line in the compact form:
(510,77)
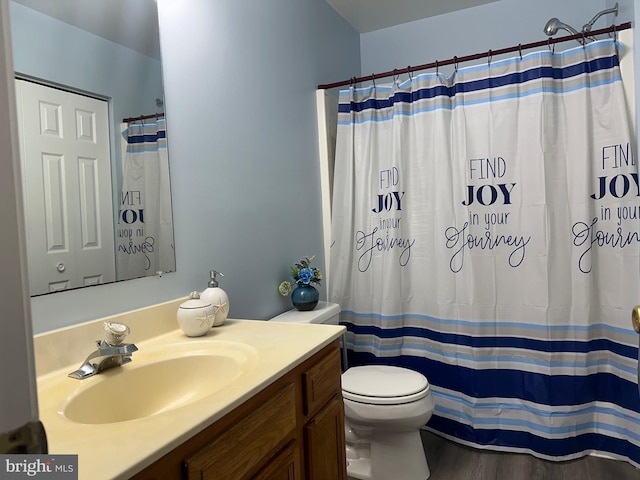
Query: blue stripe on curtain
(484,84)
(479,342)
(144,138)
(559,390)
(468,323)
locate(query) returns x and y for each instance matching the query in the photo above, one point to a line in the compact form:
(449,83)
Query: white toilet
(384,406)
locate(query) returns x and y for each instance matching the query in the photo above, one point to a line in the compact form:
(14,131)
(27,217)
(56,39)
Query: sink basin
(154,383)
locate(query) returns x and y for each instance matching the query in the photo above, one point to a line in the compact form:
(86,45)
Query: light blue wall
(496,25)
(48,49)
(240,80)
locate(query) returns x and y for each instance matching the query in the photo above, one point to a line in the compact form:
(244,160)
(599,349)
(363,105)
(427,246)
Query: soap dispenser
(216,297)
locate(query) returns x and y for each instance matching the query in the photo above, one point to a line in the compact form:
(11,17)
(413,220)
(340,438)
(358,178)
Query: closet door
(66,164)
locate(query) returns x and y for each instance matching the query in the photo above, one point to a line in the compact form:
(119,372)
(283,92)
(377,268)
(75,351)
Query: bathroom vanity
(250,400)
(292,429)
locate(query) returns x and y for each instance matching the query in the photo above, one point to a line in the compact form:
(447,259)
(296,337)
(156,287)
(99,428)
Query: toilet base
(359,469)
(393,455)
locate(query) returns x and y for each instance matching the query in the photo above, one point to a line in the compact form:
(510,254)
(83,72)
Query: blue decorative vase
(305,297)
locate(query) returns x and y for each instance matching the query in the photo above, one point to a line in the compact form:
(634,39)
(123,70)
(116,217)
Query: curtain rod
(476,56)
(143,117)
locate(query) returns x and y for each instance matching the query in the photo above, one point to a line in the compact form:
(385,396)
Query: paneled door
(66,170)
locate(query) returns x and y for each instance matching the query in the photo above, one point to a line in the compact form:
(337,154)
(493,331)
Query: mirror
(93,141)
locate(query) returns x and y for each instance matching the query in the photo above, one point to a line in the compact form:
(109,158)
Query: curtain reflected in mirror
(144,232)
(93,141)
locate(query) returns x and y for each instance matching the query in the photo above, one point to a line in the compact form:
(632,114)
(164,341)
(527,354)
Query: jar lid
(195,302)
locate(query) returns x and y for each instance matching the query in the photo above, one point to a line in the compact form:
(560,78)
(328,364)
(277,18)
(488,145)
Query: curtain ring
(455,63)
(373,80)
(520,50)
(615,33)
(437,68)
(489,55)
(409,72)
(584,40)
(395,76)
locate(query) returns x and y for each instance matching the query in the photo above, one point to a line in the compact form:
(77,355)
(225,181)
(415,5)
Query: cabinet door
(284,467)
(324,443)
(241,449)
(321,382)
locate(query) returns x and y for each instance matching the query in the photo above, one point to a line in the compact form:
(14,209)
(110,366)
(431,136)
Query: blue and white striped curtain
(144,233)
(485,233)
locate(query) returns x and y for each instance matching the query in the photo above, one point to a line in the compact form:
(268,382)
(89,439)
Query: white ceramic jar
(195,316)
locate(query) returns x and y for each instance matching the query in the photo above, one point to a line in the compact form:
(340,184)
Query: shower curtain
(144,235)
(485,233)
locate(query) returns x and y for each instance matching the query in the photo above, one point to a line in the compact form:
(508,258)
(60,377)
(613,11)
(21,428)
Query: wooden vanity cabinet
(323,431)
(291,430)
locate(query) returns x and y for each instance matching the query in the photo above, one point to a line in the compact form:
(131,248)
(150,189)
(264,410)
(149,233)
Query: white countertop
(119,450)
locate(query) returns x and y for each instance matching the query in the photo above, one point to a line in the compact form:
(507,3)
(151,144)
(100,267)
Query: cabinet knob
(61,268)
(635,318)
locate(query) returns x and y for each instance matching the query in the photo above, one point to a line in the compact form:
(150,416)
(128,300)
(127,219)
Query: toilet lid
(383,385)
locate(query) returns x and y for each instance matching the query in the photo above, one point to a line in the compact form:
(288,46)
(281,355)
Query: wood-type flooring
(451,461)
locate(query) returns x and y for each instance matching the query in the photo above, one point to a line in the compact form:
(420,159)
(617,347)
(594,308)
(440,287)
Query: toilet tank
(325,312)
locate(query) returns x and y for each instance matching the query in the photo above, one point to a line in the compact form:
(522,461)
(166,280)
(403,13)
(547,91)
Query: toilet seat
(383,385)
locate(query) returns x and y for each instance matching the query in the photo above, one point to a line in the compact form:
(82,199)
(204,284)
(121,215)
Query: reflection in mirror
(93,141)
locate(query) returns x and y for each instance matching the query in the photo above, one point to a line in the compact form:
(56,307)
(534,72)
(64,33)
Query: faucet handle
(115,332)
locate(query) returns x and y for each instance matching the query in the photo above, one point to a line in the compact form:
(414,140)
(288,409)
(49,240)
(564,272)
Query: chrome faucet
(111,352)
